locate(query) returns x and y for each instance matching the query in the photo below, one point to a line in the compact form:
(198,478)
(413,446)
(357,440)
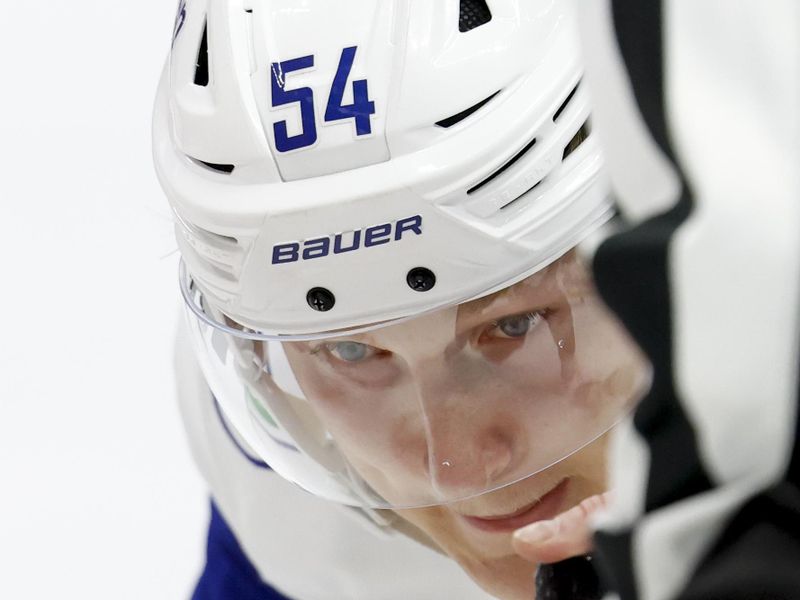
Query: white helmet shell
(347,148)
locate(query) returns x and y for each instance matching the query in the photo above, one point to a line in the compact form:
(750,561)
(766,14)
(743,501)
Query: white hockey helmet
(351,177)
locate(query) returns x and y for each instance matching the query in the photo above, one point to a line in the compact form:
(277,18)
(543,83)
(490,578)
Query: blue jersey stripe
(228,574)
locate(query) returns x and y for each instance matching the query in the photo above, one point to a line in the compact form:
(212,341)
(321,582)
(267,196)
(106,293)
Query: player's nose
(470,442)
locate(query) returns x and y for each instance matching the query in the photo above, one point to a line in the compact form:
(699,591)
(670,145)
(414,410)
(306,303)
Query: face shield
(432,409)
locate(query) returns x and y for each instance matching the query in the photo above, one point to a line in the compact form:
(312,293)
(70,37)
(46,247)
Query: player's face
(477,398)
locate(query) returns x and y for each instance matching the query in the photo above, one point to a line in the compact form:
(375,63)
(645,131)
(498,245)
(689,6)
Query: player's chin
(487,557)
(505,578)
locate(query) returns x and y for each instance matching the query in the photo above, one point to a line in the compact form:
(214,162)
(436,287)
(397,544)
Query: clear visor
(434,409)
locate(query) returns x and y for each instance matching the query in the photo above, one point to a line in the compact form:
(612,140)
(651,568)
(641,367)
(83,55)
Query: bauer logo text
(350,241)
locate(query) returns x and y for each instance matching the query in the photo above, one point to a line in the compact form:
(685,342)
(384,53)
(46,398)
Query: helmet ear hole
(472,14)
(201,65)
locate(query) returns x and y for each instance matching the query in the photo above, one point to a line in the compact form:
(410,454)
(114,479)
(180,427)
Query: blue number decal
(361,108)
(304,95)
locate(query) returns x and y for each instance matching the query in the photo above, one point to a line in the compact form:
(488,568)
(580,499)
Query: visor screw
(420,279)
(320,299)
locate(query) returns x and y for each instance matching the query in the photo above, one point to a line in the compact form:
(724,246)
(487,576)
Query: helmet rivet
(320,299)
(420,279)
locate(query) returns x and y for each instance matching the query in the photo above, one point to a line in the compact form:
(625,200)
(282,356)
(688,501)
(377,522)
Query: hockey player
(389,399)
(378,206)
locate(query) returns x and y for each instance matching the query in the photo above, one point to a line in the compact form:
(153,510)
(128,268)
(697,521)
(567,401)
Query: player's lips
(546,507)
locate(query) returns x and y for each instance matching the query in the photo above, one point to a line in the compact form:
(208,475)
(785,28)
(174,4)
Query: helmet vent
(219,168)
(457,118)
(201,65)
(472,14)
(566,102)
(522,195)
(516,157)
(577,139)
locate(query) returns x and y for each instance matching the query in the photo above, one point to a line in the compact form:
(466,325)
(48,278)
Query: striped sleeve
(696,104)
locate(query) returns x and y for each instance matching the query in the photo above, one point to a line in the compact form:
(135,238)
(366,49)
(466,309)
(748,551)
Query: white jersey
(305,547)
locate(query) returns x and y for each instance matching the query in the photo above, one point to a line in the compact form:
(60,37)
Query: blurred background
(99,495)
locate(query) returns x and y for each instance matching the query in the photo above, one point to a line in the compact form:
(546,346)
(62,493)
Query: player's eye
(351,352)
(514,326)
